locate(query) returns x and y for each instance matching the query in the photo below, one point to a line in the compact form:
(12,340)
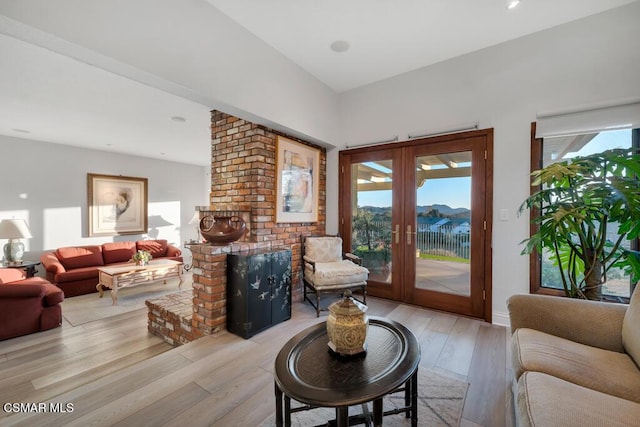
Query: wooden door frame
(475,303)
(487,134)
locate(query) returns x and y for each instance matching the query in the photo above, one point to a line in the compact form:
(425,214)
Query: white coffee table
(123,276)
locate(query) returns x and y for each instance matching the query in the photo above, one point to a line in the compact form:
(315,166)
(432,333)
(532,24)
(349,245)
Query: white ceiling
(64,100)
(391,37)
(58,99)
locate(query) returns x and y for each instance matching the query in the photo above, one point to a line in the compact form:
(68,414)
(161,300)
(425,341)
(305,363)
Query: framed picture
(297,180)
(116,205)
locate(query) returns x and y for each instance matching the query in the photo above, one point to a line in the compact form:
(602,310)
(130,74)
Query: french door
(419,215)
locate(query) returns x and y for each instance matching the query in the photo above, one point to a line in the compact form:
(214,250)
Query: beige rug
(440,403)
(88,308)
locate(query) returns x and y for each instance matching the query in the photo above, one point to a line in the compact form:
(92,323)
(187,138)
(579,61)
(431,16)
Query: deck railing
(445,240)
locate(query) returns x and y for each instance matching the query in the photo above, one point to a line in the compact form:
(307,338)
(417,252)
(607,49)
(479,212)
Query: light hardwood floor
(115,373)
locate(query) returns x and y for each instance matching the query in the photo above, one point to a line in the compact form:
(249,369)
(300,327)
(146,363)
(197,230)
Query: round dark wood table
(308,372)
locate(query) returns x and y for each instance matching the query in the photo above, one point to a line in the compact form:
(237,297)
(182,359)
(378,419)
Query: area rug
(440,403)
(89,308)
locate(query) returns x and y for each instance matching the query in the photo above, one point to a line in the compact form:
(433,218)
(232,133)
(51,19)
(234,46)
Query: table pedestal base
(283,407)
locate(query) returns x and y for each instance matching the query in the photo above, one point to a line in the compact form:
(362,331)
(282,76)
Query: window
(544,274)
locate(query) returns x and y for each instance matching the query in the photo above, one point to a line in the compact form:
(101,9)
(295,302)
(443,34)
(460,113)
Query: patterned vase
(347,326)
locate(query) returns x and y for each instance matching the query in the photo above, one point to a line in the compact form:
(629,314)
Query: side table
(187,245)
(29,267)
(308,372)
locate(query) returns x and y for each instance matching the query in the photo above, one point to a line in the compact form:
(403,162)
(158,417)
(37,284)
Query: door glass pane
(371,217)
(443,222)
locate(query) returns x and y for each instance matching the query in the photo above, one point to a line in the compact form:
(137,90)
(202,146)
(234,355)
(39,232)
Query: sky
(606,141)
(454,192)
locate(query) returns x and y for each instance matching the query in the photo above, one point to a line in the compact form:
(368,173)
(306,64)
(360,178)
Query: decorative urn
(219,230)
(347,326)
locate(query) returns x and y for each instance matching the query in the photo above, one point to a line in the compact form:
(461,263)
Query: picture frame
(116,205)
(297,181)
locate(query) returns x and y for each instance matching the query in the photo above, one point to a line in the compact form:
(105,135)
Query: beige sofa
(575,361)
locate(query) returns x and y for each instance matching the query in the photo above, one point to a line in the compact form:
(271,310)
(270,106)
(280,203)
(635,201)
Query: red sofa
(27,305)
(74,269)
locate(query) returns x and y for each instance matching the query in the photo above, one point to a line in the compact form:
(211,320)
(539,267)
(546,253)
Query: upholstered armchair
(27,305)
(327,270)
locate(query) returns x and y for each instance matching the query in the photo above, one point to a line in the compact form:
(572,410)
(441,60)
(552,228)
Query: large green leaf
(578,201)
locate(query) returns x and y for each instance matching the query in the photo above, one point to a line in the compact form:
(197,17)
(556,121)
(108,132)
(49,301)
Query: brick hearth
(170,317)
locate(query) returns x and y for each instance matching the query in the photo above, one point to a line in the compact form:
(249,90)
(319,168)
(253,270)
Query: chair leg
(317,303)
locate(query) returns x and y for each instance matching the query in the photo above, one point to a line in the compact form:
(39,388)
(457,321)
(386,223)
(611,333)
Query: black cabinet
(258,290)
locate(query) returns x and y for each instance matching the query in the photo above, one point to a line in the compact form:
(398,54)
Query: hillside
(445,210)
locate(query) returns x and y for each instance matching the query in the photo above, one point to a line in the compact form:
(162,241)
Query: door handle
(397,233)
(409,233)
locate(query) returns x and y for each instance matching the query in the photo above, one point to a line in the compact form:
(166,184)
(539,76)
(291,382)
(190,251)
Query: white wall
(589,61)
(173,44)
(46,184)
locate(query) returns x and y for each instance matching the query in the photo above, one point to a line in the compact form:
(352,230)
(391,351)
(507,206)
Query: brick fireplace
(243,183)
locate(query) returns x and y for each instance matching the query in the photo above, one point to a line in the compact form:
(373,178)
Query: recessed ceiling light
(21,130)
(512,3)
(339,46)
(179,119)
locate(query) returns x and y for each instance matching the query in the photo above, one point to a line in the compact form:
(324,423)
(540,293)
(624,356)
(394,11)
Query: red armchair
(27,305)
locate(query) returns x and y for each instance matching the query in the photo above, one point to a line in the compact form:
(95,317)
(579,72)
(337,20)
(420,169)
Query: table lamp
(14,230)
(195,221)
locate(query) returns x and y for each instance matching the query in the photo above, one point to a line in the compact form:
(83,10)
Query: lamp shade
(155,221)
(14,229)
(195,219)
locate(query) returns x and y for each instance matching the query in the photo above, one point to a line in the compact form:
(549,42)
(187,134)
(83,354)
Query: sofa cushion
(18,290)
(601,370)
(157,248)
(546,401)
(80,256)
(77,274)
(8,275)
(630,329)
(52,294)
(32,281)
(118,251)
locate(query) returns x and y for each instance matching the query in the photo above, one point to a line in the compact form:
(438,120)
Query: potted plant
(141,257)
(579,202)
